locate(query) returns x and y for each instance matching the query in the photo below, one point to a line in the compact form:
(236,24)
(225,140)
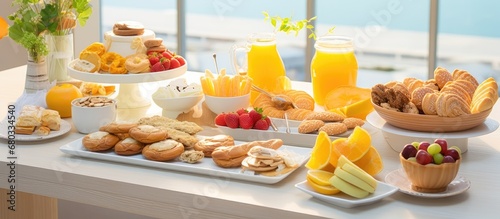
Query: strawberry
(167,54)
(245,121)
(261,124)
(241,111)
(268,120)
(153,60)
(174,63)
(232,120)
(180,59)
(256,114)
(166,63)
(220,119)
(157,67)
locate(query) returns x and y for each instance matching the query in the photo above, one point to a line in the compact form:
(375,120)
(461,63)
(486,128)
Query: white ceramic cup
(90,119)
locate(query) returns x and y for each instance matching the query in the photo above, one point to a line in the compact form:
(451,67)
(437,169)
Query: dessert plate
(293,138)
(125,78)
(383,190)
(65,128)
(205,167)
(399,179)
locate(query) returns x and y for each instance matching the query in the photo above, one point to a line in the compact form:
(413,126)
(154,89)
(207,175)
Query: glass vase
(37,77)
(61,53)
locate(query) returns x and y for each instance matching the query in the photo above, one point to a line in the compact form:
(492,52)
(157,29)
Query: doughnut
(163,150)
(96,47)
(153,42)
(138,63)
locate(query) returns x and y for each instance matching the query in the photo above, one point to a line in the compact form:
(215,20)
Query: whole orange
(4,28)
(60,96)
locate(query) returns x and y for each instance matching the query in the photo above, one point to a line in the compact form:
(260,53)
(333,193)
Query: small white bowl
(90,119)
(227,104)
(172,107)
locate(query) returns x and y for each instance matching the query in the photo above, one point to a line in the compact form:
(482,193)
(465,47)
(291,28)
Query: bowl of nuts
(90,113)
(430,167)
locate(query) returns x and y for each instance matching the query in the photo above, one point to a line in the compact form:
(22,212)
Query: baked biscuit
(128,146)
(309,126)
(191,156)
(418,94)
(334,128)
(163,150)
(451,105)
(429,103)
(160,121)
(465,75)
(153,42)
(99,141)
(352,122)
(325,116)
(148,134)
(442,76)
(118,127)
(208,145)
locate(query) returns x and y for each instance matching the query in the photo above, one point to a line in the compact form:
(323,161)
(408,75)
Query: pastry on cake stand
(129,93)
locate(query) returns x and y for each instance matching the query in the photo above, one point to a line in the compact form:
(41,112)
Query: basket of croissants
(449,102)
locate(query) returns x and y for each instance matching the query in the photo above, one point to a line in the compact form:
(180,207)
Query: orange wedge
(371,162)
(350,100)
(355,146)
(320,156)
(320,177)
(4,28)
(325,190)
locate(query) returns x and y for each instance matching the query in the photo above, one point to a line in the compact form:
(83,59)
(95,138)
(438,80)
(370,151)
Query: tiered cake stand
(129,95)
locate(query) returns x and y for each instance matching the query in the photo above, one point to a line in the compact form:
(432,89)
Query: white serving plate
(340,199)
(399,179)
(65,128)
(105,77)
(205,167)
(293,138)
(397,138)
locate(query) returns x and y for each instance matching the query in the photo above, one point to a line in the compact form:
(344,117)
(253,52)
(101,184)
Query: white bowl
(172,107)
(90,119)
(227,104)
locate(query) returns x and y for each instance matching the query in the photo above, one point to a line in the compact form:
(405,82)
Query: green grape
(434,149)
(415,144)
(456,148)
(438,158)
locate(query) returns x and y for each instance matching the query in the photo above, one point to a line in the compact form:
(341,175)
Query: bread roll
(99,141)
(208,145)
(148,134)
(128,146)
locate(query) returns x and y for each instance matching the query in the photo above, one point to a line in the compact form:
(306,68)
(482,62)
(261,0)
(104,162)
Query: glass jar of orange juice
(263,62)
(334,64)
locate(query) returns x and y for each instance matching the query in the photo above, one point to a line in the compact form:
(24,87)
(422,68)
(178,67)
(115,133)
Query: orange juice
(334,64)
(265,65)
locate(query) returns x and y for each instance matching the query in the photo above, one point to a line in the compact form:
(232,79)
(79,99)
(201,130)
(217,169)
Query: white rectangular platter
(205,167)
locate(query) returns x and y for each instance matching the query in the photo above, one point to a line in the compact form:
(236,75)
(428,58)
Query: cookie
(353,122)
(325,116)
(148,134)
(335,128)
(309,126)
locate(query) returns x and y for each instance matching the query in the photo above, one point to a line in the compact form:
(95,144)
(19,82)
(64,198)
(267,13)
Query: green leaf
(15,32)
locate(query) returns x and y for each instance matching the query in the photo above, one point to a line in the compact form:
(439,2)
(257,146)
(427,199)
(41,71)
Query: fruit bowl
(429,178)
(431,123)
(227,104)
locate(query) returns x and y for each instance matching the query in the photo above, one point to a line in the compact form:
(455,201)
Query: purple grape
(423,157)
(409,151)
(448,159)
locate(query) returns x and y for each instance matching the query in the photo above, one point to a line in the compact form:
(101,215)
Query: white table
(42,169)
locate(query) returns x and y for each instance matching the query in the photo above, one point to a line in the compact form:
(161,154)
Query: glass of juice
(263,62)
(334,64)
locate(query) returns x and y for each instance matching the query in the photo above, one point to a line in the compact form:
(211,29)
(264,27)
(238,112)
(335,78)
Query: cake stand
(129,95)
(397,138)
